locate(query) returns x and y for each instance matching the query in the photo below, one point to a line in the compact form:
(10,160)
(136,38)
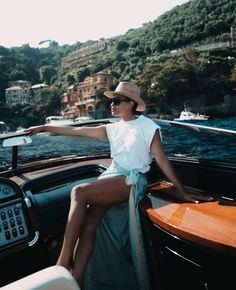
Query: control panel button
(18,220)
(13,225)
(16,211)
(21,230)
(3,215)
(5,225)
(7,235)
(14,233)
(10,213)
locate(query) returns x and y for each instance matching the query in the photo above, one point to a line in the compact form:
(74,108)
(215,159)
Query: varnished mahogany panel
(211,224)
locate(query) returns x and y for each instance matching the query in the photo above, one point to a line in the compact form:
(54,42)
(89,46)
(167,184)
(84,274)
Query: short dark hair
(134,108)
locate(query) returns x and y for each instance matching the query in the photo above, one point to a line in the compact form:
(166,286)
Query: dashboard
(16,224)
(33,214)
(37,206)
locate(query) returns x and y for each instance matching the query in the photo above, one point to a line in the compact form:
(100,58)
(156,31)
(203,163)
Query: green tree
(4,78)
(70,79)
(45,102)
(82,73)
(122,45)
(46,73)
(17,75)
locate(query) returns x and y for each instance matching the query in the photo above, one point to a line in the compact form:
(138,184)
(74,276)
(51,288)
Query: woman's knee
(78,192)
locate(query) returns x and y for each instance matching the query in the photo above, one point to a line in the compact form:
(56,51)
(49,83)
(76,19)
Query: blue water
(183,142)
(176,141)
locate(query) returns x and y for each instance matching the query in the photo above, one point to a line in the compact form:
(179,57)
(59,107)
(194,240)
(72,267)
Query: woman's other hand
(190,196)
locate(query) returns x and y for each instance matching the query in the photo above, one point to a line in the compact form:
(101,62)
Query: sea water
(176,141)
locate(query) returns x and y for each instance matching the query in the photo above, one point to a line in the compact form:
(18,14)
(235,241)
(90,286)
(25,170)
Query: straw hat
(129,90)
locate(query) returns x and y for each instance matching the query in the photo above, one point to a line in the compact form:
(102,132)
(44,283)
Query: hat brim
(141,105)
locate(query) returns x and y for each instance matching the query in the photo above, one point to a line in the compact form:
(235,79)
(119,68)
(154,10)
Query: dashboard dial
(6,191)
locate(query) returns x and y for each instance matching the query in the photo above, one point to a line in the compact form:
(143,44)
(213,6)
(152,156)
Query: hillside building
(18,93)
(84,99)
(83,55)
(19,83)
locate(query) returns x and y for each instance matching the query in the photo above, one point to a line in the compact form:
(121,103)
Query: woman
(133,141)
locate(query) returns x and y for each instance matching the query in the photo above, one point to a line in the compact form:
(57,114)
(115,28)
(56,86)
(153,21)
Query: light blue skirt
(118,261)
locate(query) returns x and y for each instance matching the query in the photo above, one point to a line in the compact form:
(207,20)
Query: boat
(83,119)
(187,115)
(59,121)
(3,127)
(20,129)
(188,246)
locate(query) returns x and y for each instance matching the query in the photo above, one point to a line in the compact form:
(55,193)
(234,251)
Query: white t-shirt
(130,142)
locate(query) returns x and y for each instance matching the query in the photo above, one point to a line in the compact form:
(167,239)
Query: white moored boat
(186,115)
(3,127)
(59,121)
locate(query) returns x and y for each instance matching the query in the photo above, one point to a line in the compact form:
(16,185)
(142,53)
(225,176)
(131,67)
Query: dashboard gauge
(6,190)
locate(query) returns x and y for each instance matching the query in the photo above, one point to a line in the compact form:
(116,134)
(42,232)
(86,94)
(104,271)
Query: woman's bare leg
(107,192)
(74,226)
(86,241)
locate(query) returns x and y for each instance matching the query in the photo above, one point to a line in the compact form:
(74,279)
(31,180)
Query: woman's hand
(34,130)
(189,196)
(178,191)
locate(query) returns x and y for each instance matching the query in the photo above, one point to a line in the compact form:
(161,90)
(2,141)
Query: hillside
(197,20)
(191,23)
(142,55)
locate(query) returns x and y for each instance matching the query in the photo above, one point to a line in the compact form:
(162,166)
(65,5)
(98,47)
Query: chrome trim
(35,239)
(28,202)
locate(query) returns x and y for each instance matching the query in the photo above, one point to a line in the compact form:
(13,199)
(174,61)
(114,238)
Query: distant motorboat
(83,119)
(187,115)
(3,127)
(20,129)
(59,121)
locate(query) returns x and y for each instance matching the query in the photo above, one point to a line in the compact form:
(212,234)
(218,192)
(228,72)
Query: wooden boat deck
(210,224)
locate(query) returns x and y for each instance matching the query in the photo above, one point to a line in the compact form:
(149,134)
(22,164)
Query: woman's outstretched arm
(93,132)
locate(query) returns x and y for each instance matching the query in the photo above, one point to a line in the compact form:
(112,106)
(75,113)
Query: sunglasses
(117,100)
